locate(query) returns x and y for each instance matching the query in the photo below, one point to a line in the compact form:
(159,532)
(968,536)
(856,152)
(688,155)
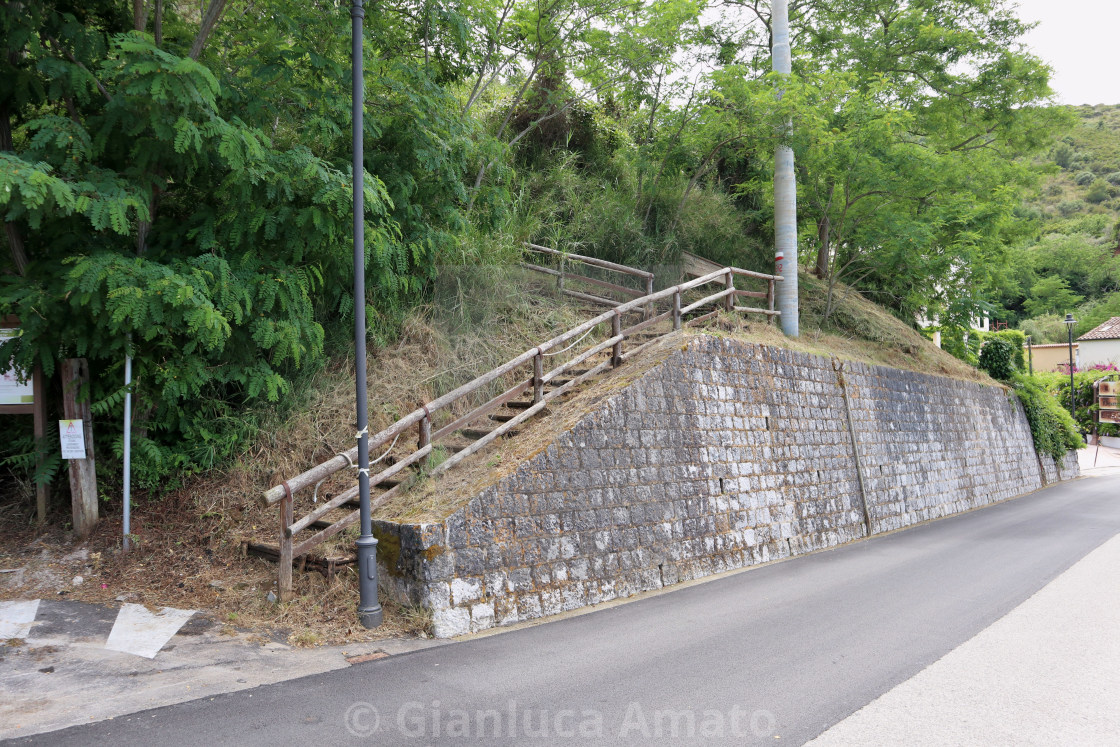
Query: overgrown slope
(190,538)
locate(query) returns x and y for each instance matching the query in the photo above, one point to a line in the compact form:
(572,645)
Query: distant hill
(1070,262)
(1087,182)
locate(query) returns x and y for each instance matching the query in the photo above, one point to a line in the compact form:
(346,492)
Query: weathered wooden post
(616,331)
(425,427)
(770,299)
(538,377)
(83,472)
(677,309)
(729,299)
(649,310)
(42,490)
(284,580)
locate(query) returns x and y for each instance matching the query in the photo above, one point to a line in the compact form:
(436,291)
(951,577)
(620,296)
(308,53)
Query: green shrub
(1053,430)
(1063,155)
(1069,207)
(961,344)
(997,358)
(1113,178)
(1044,329)
(1017,339)
(1084,178)
(1097,193)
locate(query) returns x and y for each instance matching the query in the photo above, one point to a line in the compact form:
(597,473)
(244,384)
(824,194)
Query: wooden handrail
(422,417)
(592,261)
(343,460)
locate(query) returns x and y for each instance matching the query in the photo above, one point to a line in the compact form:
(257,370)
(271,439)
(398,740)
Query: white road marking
(17,617)
(143,633)
(1047,673)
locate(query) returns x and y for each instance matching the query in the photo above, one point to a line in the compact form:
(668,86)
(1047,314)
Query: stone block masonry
(723,455)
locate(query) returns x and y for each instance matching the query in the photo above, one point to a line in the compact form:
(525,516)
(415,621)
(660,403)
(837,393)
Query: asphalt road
(773,655)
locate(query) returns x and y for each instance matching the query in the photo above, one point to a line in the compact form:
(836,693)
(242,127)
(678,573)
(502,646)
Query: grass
(860,330)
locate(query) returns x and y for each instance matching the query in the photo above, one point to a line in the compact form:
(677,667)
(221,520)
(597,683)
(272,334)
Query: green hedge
(1054,431)
(1017,339)
(997,358)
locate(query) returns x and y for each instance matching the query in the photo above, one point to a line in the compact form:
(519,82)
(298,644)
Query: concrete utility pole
(785,186)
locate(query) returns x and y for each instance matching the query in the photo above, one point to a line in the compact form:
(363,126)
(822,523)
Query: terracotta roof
(1110,330)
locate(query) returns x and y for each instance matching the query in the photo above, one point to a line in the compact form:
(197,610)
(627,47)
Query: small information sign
(1108,393)
(12,392)
(71,434)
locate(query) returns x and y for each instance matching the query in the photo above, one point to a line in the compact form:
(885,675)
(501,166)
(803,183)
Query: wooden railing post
(677,309)
(770,300)
(538,377)
(560,277)
(649,292)
(425,427)
(284,582)
(616,331)
(729,300)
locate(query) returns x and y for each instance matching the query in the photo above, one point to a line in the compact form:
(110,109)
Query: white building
(1100,345)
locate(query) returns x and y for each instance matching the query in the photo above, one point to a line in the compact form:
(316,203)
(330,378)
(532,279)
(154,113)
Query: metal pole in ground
(785,186)
(1069,322)
(126,519)
(369,609)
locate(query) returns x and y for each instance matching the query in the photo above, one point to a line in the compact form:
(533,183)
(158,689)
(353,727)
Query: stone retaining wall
(724,455)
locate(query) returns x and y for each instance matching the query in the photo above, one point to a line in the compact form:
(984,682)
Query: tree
(911,174)
(1051,295)
(154,220)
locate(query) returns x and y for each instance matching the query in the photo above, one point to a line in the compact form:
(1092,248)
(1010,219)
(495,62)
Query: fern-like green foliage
(196,214)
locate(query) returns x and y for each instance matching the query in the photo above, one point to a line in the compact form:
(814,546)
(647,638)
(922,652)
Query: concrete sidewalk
(1048,673)
(1099,460)
(68,663)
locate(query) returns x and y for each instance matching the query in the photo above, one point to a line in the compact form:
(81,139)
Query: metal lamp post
(369,609)
(1069,321)
(1030,355)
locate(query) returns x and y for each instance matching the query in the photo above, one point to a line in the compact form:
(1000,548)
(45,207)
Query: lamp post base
(369,609)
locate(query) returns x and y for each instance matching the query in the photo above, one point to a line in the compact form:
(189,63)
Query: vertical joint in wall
(838,365)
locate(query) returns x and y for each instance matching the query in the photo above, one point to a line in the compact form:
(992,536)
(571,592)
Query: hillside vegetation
(175,178)
(1071,263)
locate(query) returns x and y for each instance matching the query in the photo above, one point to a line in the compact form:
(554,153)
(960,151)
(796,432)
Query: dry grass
(871,336)
(861,330)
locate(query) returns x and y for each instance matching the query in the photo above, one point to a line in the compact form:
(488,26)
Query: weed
(304,639)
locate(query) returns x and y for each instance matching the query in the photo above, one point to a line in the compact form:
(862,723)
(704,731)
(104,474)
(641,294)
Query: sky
(1078,39)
